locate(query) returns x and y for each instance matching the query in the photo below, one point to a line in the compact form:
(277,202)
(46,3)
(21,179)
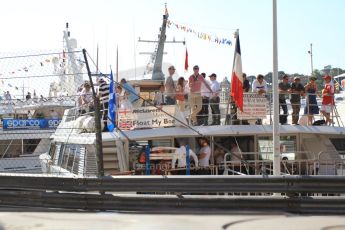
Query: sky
(38,25)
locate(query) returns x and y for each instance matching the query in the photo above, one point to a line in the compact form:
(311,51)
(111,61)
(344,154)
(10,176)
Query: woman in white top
(204,153)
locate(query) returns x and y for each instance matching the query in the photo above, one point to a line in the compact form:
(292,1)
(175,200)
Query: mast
(157,67)
(76,79)
(157,56)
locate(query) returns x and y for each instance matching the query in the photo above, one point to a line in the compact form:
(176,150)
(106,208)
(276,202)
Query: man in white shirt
(259,85)
(170,87)
(159,97)
(204,153)
(54,114)
(214,101)
(205,94)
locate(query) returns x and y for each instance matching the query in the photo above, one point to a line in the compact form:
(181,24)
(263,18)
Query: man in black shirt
(297,90)
(246,85)
(284,89)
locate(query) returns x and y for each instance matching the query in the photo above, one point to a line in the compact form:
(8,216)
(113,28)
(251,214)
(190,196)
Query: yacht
(28,123)
(158,140)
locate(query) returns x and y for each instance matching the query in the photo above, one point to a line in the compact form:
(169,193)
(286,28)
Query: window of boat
(287,147)
(52,150)
(135,149)
(71,157)
(339,144)
(222,145)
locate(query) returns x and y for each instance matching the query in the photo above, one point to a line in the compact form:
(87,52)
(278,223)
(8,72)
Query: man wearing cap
(170,87)
(284,89)
(327,99)
(202,116)
(195,100)
(214,101)
(297,90)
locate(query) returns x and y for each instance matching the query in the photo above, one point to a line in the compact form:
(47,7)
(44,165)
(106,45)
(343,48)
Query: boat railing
(252,163)
(253,110)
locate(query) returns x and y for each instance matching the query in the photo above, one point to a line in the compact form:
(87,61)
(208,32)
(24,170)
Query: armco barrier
(180,184)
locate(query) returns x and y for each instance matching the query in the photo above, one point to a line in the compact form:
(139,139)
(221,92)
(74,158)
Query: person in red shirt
(327,99)
(195,100)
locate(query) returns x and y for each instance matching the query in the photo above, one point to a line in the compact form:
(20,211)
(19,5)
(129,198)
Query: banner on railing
(30,123)
(148,117)
(254,107)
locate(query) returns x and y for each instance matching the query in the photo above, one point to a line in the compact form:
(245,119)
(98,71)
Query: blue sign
(31,123)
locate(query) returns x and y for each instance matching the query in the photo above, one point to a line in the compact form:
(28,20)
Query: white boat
(306,150)
(26,125)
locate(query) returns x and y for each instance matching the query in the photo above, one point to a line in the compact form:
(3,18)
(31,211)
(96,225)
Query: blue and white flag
(111,123)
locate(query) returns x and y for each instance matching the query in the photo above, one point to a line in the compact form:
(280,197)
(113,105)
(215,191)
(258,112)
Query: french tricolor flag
(237,78)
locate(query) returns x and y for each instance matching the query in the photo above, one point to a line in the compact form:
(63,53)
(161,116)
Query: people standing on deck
(8,96)
(204,153)
(159,97)
(29,115)
(103,93)
(130,93)
(205,94)
(311,102)
(297,90)
(195,98)
(259,86)
(28,96)
(86,98)
(119,96)
(180,94)
(284,89)
(170,87)
(54,114)
(246,85)
(327,99)
(215,99)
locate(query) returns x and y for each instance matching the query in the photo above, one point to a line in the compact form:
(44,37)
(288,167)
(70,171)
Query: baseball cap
(327,77)
(296,78)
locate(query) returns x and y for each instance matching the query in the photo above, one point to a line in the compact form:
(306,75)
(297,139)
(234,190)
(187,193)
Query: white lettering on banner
(254,106)
(146,117)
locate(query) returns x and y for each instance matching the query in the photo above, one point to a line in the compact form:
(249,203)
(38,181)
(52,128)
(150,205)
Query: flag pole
(276,132)
(117,82)
(233,66)
(117,64)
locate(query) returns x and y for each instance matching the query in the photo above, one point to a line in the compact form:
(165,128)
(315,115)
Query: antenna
(157,57)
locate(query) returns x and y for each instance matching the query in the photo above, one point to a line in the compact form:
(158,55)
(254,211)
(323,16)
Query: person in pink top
(195,99)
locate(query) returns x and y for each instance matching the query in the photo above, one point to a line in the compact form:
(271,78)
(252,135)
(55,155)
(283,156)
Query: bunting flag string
(42,63)
(200,35)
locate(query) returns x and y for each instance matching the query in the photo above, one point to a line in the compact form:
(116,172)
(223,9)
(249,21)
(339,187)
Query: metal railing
(229,114)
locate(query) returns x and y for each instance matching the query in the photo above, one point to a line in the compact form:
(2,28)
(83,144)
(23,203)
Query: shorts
(327,108)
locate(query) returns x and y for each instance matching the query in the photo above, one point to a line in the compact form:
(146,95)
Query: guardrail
(172,203)
(292,185)
(175,193)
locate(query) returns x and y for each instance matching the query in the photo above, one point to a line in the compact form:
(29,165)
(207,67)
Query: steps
(110,159)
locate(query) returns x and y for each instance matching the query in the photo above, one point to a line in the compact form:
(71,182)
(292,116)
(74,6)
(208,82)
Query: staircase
(110,159)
